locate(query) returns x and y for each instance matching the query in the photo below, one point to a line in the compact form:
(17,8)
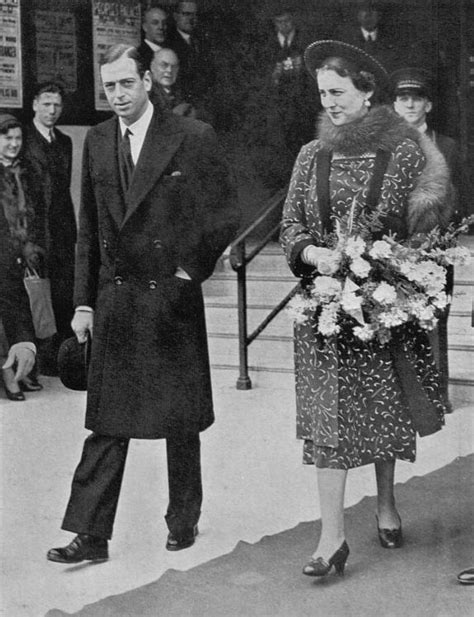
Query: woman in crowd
(16,217)
(351,408)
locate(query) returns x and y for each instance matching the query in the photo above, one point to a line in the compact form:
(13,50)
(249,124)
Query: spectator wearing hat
(412,99)
(48,153)
(17,250)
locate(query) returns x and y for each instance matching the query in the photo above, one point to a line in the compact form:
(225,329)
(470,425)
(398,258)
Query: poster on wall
(11,90)
(114,21)
(56,48)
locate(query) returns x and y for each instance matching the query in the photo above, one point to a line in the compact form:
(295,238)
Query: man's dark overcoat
(149,375)
(50,167)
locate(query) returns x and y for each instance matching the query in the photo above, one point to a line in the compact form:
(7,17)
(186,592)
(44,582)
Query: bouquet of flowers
(373,286)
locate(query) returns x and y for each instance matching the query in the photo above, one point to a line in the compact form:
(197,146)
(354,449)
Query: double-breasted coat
(149,373)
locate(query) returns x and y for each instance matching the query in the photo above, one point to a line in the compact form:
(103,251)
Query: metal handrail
(239,261)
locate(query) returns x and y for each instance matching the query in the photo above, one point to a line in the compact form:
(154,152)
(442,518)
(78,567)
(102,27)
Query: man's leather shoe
(83,547)
(177,544)
(466,577)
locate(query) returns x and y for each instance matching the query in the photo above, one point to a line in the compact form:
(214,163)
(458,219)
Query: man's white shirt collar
(185,35)
(369,35)
(289,38)
(43,130)
(138,131)
(153,46)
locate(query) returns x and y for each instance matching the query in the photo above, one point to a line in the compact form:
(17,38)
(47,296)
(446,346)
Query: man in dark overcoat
(413,100)
(48,155)
(157,211)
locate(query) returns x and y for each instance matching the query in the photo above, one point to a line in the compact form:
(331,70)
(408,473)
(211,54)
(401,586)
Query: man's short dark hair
(114,52)
(51,87)
(152,8)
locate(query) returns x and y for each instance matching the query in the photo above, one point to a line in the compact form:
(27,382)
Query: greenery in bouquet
(374,286)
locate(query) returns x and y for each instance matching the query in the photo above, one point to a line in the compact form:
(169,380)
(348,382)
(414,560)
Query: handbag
(39,293)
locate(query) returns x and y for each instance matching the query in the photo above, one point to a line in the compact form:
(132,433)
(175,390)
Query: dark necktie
(126,161)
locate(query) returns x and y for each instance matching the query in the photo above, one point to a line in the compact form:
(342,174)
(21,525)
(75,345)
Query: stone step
(222,289)
(276,352)
(222,319)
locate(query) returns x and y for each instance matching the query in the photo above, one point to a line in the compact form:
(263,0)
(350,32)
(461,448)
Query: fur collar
(430,202)
(381,128)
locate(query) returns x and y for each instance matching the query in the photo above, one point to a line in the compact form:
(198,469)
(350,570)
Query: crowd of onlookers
(228,69)
(247,76)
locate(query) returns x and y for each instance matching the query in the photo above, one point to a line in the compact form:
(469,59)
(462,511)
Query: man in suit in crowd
(164,70)
(196,73)
(291,103)
(155,29)
(157,211)
(369,33)
(412,99)
(48,153)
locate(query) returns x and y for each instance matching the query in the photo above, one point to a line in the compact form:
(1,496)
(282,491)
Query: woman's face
(341,100)
(10,145)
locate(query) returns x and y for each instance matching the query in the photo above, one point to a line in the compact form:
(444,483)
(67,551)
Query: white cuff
(84,309)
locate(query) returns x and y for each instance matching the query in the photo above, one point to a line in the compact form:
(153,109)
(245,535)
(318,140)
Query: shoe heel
(340,558)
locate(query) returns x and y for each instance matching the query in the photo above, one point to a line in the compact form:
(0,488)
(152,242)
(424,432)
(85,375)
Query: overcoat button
(105,244)
(158,244)
(152,284)
(118,280)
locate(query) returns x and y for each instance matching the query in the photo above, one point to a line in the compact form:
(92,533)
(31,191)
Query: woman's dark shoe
(83,547)
(321,567)
(390,538)
(178,544)
(14,396)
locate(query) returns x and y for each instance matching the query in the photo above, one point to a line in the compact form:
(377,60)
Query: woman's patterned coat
(351,407)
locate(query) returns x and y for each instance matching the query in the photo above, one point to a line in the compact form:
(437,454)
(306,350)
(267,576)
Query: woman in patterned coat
(356,402)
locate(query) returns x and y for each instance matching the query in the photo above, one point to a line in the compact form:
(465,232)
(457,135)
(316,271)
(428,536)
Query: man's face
(126,91)
(155,26)
(368,19)
(412,107)
(284,24)
(48,107)
(164,67)
(186,17)
(10,144)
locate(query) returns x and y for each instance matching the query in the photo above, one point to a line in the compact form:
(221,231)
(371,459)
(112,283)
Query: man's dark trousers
(98,478)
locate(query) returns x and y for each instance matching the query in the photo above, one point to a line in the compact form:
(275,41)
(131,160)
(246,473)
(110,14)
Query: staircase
(269,280)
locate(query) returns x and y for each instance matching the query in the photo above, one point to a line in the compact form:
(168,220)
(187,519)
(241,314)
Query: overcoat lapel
(108,162)
(162,140)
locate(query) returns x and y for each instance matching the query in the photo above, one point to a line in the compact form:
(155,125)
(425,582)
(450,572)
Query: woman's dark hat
(6,119)
(73,363)
(317,52)
(412,80)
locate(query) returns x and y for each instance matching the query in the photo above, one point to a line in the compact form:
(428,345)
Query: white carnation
(381,250)
(355,247)
(360,267)
(385,293)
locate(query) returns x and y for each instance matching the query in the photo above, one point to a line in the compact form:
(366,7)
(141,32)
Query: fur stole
(429,203)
